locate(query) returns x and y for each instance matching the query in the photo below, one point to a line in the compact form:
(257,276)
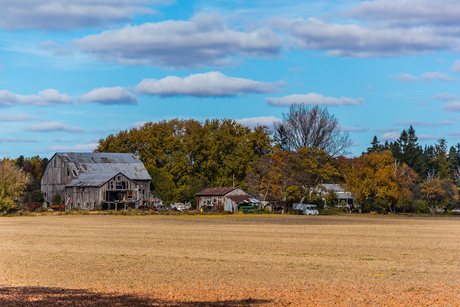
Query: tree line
(305,150)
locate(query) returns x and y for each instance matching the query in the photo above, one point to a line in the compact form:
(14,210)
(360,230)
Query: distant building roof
(105,163)
(341,193)
(216,191)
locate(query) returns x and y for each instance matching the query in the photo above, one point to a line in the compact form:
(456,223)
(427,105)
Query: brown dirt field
(242,260)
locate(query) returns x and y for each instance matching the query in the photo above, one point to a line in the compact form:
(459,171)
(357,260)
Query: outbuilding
(223,199)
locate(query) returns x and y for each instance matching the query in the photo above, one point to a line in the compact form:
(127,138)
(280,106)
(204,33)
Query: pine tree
(376,146)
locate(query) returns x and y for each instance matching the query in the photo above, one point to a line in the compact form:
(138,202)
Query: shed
(221,198)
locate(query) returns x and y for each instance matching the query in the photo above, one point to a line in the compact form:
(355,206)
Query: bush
(37,196)
(56,200)
(421,207)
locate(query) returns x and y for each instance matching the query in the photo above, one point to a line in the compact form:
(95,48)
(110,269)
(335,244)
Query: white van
(307,209)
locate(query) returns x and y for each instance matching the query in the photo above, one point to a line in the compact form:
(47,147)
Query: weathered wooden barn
(224,199)
(87,179)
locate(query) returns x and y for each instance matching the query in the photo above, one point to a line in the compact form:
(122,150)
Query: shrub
(37,196)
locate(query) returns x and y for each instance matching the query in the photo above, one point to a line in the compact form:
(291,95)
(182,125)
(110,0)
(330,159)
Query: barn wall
(55,178)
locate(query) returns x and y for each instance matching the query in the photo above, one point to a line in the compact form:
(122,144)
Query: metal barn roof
(91,180)
(105,163)
(216,191)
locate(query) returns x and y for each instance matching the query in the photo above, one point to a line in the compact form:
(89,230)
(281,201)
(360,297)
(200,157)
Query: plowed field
(241,260)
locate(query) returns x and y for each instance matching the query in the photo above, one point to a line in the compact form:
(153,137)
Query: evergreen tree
(376,146)
(441,161)
(281,138)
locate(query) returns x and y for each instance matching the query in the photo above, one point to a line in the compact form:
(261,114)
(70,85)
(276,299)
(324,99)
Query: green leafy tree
(162,185)
(13,182)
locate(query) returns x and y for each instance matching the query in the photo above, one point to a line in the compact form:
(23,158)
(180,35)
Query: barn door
(228,206)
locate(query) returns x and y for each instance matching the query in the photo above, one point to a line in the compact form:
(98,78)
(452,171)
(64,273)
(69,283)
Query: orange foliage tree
(377,175)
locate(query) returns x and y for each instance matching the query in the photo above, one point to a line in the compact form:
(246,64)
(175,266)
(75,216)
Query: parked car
(178,207)
(162,208)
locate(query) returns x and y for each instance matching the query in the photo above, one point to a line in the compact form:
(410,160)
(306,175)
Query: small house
(224,199)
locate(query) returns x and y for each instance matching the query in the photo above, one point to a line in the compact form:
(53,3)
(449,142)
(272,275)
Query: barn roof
(216,191)
(91,180)
(104,163)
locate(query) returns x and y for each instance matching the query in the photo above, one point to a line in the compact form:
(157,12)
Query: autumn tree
(188,150)
(278,180)
(377,176)
(438,192)
(313,127)
(13,181)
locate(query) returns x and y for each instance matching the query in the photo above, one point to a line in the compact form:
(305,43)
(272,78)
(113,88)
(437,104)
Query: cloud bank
(46,98)
(53,127)
(210,84)
(109,96)
(314,99)
(69,14)
(202,41)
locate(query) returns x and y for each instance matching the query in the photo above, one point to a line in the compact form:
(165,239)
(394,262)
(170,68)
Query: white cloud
(78,147)
(53,127)
(17,140)
(408,12)
(138,124)
(210,84)
(203,40)
(356,128)
(108,96)
(49,97)
(389,136)
(443,97)
(67,141)
(390,129)
(453,133)
(456,66)
(430,76)
(408,78)
(453,106)
(418,123)
(424,137)
(262,121)
(351,40)
(58,50)
(369,88)
(314,99)
(69,14)
(18,118)
(426,77)
(446,123)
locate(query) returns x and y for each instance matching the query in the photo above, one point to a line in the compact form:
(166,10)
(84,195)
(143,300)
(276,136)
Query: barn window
(68,173)
(120,185)
(119,178)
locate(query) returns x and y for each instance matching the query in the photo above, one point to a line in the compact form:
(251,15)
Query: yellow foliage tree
(13,181)
(377,175)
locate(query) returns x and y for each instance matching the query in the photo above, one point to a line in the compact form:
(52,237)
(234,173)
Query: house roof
(341,193)
(105,163)
(216,191)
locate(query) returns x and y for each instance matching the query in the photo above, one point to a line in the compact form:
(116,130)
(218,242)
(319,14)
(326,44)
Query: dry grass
(266,260)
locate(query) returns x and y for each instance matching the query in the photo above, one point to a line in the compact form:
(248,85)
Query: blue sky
(72,72)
